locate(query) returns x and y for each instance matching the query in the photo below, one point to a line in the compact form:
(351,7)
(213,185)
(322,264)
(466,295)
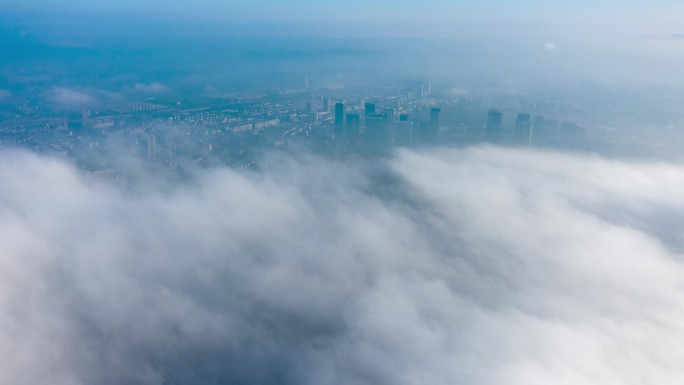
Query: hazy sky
(617,42)
(376,10)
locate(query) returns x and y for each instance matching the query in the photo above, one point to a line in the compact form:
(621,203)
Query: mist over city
(361,193)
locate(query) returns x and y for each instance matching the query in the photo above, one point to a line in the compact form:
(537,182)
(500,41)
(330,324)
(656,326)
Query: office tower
(388,122)
(151,147)
(523,126)
(375,132)
(313,106)
(428,133)
(404,134)
(538,131)
(369,108)
(339,122)
(494,126)
(326,104)
(353,128)
(434,117)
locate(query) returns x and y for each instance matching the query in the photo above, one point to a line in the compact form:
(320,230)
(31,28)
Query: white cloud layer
(483,266)
(151,88)
(69,99)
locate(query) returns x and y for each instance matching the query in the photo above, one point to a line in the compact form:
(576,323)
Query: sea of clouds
(477,266)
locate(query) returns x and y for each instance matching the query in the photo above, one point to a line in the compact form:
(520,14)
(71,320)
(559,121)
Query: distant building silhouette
(404,134)
(434,116)
(523,129)
(368,108)
(375,132)
(340,133)
(353,128)
(428,133)
(388,122)
(494,126)
(538,131)
(425,89)
(434,121)
(314,106)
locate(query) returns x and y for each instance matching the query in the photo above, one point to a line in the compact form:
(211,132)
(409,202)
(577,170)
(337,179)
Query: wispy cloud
(151,88)
(69,99)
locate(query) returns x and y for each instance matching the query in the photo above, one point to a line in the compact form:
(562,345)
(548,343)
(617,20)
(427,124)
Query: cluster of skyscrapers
(523,128)
(381,128)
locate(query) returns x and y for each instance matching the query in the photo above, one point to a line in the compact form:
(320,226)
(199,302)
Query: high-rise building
(404,134)
(425,89)
(326,104)
(151,147)
(388,122)
(340,128)
(434,117)
(313,105)
(375,132)
(353,128)
(368,108)
(538,131)
(428,133)
(494,126)
(523,129)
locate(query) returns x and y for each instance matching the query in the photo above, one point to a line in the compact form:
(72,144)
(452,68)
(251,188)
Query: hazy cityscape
(356,193)
(231,128)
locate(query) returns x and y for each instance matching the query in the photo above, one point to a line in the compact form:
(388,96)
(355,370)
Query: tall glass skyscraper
(494,126)
(340,128)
